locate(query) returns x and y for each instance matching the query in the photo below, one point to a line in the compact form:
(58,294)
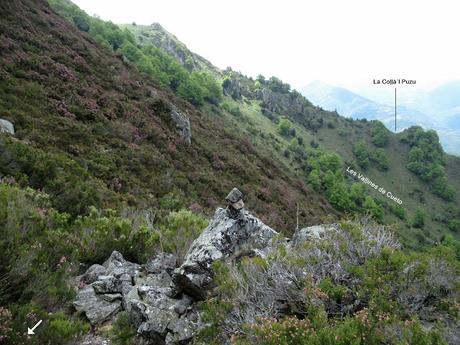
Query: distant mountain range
(437,109)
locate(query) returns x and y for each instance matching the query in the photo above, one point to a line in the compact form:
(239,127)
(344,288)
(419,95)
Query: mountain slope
(155,34)
(350,104)
(433,109)
(91,130)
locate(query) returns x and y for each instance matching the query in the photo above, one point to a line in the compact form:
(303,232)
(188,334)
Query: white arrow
(31,330)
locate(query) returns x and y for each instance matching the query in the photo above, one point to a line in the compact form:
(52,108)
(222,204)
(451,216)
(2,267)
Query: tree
(284,127)
(380,134)
(357,193)
(361,153)
(372,208)
(314,179)
(131,52)
(419,219)
(339,196)
(380,158)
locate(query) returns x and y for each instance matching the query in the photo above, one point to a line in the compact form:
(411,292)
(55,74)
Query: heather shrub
(354,285)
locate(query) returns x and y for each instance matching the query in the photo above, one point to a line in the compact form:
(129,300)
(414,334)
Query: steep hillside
(258,107)
(91,130)
(155,34)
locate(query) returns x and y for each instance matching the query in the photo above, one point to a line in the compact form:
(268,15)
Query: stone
(224,237)
(107,284)
(184,329)
(161,282)
(311,233)
(95,308)
(111,297)
(93,339)
(161,262)
(6,127)
(182,305)
(116,265)
(153,318)
(238,205)
(93,273)
(182,124)
(234,196)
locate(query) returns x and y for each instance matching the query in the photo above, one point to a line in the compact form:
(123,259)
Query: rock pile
(160,297)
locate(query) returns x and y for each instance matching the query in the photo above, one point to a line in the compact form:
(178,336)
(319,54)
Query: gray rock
(6,127)
(93,339)
(161,282)
(181,305)
(116,265)
(183,330)
(95,308)
(182,124)
(223,238)
(153,319)
(161,262)
(311,233)
(234,196)
(110,297)
(93,273)
(107,284)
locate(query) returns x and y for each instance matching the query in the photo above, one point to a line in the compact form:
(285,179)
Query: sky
(344,43)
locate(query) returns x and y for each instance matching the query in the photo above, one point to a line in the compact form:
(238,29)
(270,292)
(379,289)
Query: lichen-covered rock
(223,238)
(96,309)
(161,262)
(93,273)
(184,329)
(183,125)
(311,233)
(6,127)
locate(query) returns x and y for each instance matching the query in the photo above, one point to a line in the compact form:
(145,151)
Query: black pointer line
(395,110)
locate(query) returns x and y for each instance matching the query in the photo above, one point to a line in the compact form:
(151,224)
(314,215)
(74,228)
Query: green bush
(284,127)
(178,230)
(362,154)
(380,159)
(380,134)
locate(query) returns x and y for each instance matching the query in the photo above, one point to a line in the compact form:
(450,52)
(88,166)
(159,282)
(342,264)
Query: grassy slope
(75,103)
(398,179)
(414,193)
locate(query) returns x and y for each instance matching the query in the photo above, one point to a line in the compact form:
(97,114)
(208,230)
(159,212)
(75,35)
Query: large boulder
(182,124)
(6,127)
(230,234)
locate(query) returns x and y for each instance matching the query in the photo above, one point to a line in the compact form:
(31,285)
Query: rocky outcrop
(276,102)
(232,232)
(147,293)
(183,126)
(6,127)
(160,297)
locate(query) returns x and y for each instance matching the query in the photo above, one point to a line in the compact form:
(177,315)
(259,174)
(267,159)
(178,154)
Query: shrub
(379,133)
(419,219)
(380,159)
(284,127)
(361,153)
(178,230)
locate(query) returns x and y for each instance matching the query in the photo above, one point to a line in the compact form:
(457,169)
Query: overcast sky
(346,43)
